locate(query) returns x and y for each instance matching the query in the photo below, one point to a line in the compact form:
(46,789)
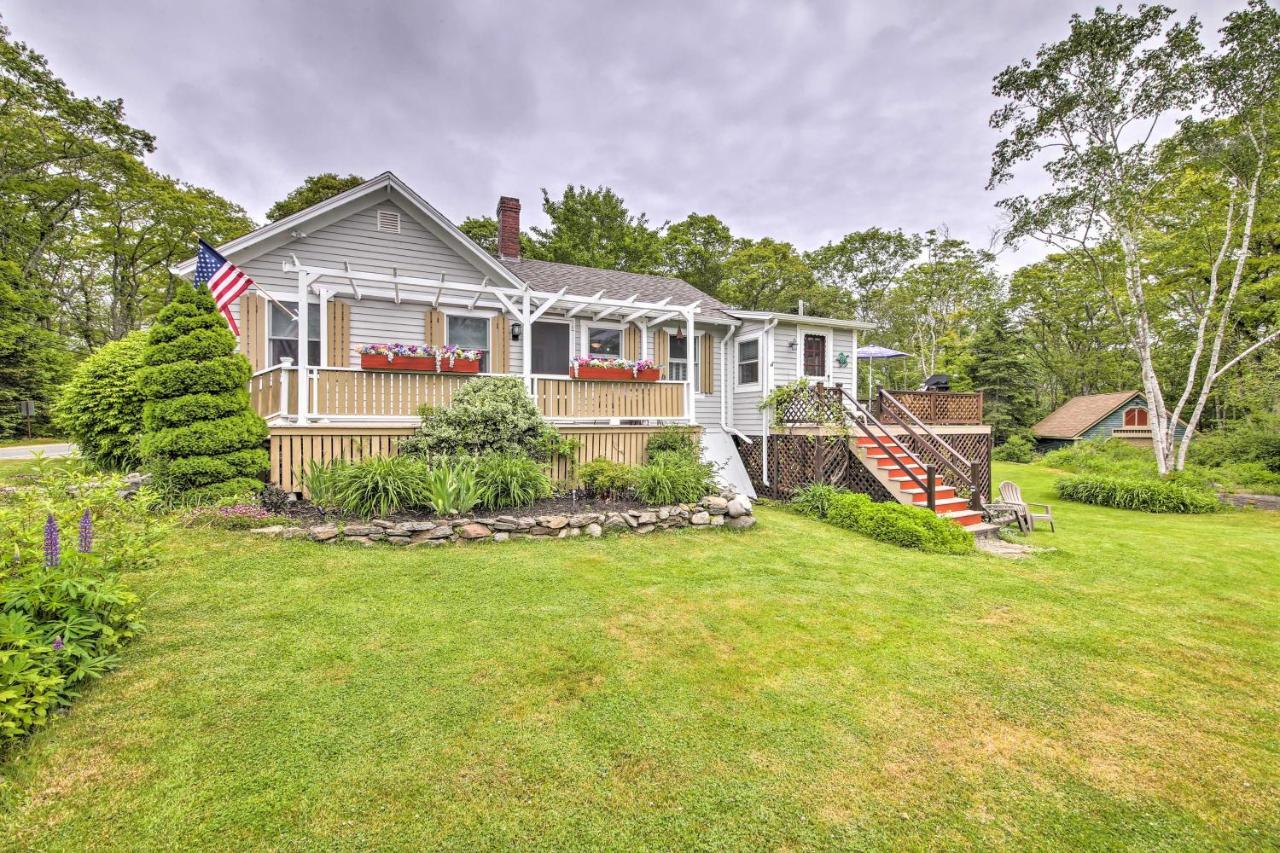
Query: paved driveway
(26,451)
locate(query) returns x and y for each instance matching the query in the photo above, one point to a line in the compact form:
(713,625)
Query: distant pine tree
(1002,370)
(200,439)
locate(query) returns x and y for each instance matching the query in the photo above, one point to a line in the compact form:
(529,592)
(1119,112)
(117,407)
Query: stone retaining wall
(712,511)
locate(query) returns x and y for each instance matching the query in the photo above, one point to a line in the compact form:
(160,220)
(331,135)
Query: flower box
(418,364)
(617,374)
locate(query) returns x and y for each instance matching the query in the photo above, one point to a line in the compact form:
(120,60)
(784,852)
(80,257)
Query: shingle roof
(588,281)
(1079,413)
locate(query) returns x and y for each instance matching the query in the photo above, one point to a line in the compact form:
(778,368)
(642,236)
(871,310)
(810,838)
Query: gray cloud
(801,121)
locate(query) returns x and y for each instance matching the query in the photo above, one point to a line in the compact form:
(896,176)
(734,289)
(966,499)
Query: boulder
(272,530)
(526,521)
(359,530)
(736,509)
(573,531)
(645,528)
(324,532)
(615,521)
(473,530)
(418,539)
(715,504)
(383,523)
(294,533)
(501,536)
(539,530)
(593,530)
(583,519)
(647,517)
(417,526)
(717,520)
(555,522)
(631,518)
(741,522)
(664,513)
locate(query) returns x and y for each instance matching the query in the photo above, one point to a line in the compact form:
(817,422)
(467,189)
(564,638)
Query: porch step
(964,517)
(897,450)
(940,492)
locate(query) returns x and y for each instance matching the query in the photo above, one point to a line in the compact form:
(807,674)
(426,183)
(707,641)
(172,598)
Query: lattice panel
(798,460)
(818,405)
(942,407)
(975,447)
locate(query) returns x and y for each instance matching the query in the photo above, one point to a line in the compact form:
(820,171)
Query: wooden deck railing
(346,392)
(272,392)
(593,399)
(940,407)
(342,392)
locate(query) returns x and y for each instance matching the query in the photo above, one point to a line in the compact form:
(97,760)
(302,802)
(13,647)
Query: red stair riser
(942,495)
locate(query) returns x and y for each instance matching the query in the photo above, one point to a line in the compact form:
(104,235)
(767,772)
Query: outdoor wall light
(515,331)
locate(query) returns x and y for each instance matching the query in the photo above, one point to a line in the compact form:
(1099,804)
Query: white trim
(826,333)
(758,337)
(833,322)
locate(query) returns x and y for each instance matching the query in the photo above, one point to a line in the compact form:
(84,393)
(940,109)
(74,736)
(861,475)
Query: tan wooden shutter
(662,352)
(253,330)
(499,345)
(338,329)
(631,342)
(707,370)
(434,335)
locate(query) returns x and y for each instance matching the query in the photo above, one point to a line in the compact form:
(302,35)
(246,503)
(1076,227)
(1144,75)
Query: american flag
(226,281)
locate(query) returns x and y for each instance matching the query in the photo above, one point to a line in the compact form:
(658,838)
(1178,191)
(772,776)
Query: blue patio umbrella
(871,353)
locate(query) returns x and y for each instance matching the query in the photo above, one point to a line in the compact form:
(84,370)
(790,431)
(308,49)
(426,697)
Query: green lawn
(790,686)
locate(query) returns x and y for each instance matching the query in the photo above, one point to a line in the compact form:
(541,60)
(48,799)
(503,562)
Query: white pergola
(523,303)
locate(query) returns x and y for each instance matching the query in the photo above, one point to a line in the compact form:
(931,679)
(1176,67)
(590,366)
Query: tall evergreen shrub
(200,439)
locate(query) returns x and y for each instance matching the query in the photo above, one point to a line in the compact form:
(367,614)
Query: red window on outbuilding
(1135,417)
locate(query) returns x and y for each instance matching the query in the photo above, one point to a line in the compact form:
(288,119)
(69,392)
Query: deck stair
(890,463)
(927,477)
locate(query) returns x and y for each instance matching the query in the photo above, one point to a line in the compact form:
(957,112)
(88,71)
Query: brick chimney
(509,228)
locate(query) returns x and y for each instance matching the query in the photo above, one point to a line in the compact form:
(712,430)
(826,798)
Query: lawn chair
(1011,499)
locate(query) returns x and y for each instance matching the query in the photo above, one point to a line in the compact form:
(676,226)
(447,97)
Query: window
(605,343)
(469,333)
(282,334)
(749,362)
(1135,417)
(677,358)
(814,355)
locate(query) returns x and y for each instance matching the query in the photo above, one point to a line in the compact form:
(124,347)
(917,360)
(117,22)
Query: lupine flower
(52,547)
(58,644)
(86,532)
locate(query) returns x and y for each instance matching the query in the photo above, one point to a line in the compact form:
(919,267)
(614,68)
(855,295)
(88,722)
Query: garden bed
(551,519)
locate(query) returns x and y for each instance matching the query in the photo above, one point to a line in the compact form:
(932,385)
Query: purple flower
(86,532)
(52,547)
(58,644)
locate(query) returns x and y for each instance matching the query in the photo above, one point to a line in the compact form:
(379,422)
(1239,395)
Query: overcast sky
(800,121)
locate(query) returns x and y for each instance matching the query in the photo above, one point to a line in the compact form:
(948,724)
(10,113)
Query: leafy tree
(867,264)
(313,190)
(1075,341)
(56,148)
(940,300)
(200,437)
(593,228)
(695,250)
(767,275)
(100,409)
(1090,104)
(1002,369)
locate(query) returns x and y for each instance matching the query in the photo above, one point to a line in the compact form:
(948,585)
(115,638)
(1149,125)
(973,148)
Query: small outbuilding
(1121,414)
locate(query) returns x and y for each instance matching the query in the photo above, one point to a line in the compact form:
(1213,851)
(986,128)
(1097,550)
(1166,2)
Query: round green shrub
(200,438)
(815,499)
(1018,448)
(672,439)
(493,414)
(607,479)
(100,408)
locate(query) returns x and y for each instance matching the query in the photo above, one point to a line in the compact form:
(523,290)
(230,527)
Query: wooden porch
(352,394)
(292,448)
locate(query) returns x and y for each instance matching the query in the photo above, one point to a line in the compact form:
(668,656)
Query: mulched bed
(305,513)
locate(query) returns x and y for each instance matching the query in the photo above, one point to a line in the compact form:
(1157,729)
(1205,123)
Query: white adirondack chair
(1011,497)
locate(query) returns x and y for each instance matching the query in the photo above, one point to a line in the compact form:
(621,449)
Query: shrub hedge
(673,477)
(100,407)
(607,479)
(1017,448)
(899,524)
(1140,493)
(199,437)
(510,480)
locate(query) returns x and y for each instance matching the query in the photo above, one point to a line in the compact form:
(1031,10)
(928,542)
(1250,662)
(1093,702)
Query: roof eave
(835,322)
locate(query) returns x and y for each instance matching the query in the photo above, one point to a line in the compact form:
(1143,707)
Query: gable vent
(389,220)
